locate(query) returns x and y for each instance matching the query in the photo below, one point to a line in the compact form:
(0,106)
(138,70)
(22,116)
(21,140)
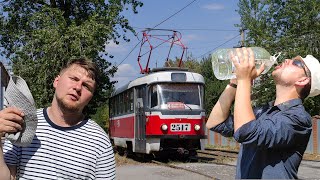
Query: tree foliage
(190,63)
(101,117)
(287,26)
(39,37)
(213,86)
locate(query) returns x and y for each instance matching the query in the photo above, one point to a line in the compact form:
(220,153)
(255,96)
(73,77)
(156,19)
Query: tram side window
(117,104)
(111,105)
(124,98)
(127,101)
(121,104)
(154,97)
(130,104)
(114,104)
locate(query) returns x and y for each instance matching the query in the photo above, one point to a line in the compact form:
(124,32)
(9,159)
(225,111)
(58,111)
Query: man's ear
(303,81)
(56,80)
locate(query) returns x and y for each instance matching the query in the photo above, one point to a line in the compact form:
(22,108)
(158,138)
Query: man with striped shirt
(66,144)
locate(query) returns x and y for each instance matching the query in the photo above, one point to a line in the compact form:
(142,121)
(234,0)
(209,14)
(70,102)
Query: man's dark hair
(305,91)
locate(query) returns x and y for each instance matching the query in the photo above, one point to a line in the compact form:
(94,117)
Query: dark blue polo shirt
(273,144)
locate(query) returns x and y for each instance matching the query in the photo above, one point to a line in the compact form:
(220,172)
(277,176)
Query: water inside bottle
(224,70)
(267,66)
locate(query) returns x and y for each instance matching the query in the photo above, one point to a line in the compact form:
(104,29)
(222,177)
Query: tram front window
(176,96)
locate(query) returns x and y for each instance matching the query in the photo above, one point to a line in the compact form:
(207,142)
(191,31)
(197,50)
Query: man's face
(74,89)
(290,71)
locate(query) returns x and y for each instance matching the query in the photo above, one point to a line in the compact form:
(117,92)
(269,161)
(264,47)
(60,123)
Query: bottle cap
(275,57)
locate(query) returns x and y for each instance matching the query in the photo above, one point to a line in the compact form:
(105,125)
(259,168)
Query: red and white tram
(159,112)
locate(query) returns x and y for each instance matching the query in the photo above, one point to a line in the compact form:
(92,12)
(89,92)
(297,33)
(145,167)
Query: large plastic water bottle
(223,67)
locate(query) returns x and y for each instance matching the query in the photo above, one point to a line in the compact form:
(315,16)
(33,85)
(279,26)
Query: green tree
(101,117)
(190,63)
(39,37)
(290,27)
(213,86)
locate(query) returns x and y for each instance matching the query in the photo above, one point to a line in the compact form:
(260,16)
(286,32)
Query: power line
(129,53)
(219,46)
(208,45)
(174,14)
(194,29)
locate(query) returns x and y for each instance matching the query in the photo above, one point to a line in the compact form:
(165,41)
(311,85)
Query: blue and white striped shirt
(83,151)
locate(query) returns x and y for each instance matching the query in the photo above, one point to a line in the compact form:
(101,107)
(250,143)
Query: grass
(311,157)
(306,156)
(210,146)
(123,160)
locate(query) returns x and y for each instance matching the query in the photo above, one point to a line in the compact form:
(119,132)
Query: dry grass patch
(311,157)
(123,160)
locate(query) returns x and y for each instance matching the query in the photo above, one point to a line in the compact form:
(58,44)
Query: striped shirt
(83,151)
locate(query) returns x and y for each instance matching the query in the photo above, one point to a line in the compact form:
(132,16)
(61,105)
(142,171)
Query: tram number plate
(180,127)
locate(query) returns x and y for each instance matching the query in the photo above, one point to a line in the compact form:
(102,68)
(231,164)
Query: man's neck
(62,118)
(284,94)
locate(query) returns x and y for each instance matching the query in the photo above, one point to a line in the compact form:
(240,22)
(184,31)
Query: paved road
(154,172)
(307,170)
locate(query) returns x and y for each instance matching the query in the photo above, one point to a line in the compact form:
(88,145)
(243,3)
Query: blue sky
(204,25)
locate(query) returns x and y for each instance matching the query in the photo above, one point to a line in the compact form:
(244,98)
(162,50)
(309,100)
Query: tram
(162,111)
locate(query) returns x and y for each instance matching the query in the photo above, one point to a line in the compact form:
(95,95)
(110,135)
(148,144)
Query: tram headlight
(197,127)
(164,127)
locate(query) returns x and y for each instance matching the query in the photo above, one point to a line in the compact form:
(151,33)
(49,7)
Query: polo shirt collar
(288,104)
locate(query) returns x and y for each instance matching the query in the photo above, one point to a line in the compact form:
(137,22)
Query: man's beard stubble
(278,81)
(66,107)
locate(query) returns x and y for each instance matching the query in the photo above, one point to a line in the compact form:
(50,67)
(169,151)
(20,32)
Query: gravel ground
(216,171)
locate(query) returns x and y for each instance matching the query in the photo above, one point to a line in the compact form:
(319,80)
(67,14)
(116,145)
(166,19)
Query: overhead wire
(129,53)
(218,46)
(155,27)
(194,29)
(175,13)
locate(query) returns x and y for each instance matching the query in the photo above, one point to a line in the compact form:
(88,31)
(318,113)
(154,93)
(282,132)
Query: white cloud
(190,37)
(126,70)
(214,6)
(125,74)
(112,47)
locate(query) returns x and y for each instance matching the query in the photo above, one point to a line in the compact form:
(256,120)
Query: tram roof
(162,75)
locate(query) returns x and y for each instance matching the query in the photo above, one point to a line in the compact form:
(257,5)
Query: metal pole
(4,77)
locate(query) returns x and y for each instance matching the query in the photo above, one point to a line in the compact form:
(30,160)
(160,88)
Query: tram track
(215,156)
(214,152)
(234,154)
(209,156)
(182,168)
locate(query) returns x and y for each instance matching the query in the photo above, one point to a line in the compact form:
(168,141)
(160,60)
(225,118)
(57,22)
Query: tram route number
(180,127)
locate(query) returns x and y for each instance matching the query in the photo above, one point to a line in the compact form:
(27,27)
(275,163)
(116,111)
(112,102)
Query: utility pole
(242,36)
(242,44)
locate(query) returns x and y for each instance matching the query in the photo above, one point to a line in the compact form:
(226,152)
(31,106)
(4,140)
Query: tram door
(140,120)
